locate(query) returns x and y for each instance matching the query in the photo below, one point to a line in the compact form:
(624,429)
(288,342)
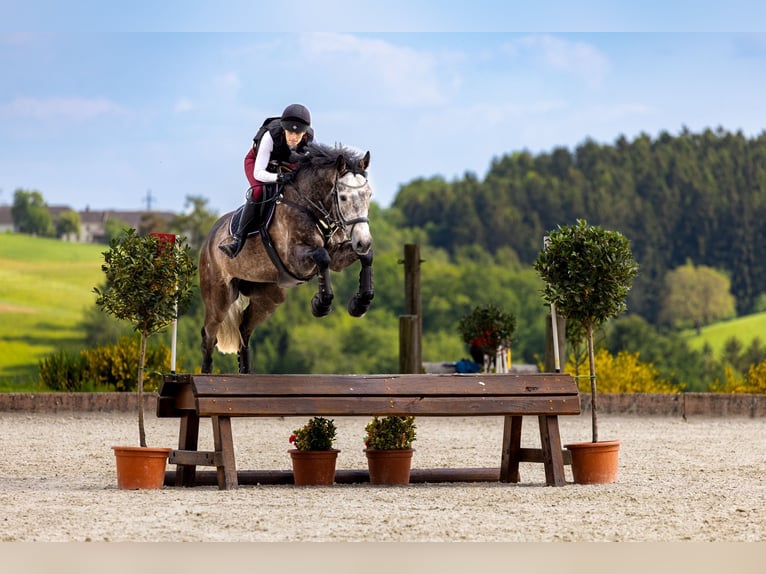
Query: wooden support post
(188,439)
(509,466)
(408,344)
(412,300)
(553,458)
(224,453)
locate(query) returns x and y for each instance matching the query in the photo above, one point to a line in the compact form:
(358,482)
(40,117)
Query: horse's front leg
(264,300)
(360,302)
(321,303)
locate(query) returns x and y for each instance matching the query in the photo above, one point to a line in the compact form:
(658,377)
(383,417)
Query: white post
(173,337)
(554,326)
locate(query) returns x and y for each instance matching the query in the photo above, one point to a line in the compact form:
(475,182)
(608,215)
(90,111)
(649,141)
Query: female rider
(276,139)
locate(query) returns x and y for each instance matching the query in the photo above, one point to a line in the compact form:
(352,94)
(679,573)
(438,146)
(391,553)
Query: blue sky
(98,108)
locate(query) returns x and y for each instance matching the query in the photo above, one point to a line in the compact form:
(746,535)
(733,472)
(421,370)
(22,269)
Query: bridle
(347,225)
(329,222)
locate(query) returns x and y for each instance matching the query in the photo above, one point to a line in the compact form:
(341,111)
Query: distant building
(91,222)
(6,221)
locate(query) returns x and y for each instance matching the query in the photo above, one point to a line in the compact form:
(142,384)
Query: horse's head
(352,196)
(345,192)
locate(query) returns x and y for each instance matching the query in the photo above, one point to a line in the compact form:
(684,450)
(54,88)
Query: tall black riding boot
(249,214)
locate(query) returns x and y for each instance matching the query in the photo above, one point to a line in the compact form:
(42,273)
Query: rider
(272,146)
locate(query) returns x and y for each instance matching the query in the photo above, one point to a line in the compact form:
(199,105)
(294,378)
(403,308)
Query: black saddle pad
(267,214)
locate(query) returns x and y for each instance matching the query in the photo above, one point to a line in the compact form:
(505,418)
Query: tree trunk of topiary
(593,405)
(141,358)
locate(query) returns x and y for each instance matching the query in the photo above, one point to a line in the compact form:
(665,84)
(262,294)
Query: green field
(743,328)
(45,284)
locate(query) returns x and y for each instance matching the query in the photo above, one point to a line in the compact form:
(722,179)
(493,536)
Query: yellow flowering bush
(624,373)
(114,366)
(754,382)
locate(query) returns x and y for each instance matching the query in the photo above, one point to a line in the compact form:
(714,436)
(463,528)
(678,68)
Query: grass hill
(45,284)
(744,328)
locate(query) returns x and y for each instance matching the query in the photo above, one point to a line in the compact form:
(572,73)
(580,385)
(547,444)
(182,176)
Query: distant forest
(692,197)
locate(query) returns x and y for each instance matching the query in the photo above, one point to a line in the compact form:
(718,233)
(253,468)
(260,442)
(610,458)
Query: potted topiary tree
(389,448)
(486,330)
(148,282)
(314,457)
(588,272)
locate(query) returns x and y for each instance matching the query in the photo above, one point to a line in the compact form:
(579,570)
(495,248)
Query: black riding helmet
(296,118)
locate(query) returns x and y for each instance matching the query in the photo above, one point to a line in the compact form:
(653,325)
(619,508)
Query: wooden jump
(220,397)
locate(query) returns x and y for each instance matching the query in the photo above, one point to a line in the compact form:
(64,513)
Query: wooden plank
(358,406)
(536,455)
(175,398)
(388,385)
(192,457)
(348,476)
(170,388)
(172,382)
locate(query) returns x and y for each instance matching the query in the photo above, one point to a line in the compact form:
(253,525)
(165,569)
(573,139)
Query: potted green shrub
(485,330)
(588,273)
(314,457)
(148,282)
(389,448)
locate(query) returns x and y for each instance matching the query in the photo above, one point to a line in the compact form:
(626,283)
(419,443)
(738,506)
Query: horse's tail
(229,337)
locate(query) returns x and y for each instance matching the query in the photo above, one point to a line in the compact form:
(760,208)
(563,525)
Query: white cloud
(76,109)
(479,120)
(579,59)
(184,105)
(398,75)
(228,83)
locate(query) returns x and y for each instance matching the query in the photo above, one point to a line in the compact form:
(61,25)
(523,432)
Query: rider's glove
(287,177)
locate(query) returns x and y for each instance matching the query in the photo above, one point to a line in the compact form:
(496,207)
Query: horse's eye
(342,197)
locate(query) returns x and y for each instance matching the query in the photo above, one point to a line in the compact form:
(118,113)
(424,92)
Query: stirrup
(232,248)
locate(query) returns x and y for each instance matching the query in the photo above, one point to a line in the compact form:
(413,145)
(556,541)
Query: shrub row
(106,368)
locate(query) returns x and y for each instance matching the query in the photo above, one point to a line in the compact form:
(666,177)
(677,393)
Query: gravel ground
(700,480)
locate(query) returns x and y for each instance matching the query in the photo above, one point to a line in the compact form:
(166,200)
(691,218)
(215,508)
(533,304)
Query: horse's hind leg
(360,302)
(218,298)
(321,303)
(208,343)
(244,359)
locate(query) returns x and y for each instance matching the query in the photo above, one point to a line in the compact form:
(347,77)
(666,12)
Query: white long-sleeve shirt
(265,147)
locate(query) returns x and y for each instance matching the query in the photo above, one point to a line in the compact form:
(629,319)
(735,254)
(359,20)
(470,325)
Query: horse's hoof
(319,308)
(358,305)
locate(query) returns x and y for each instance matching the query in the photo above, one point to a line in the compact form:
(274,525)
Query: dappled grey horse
(316,224)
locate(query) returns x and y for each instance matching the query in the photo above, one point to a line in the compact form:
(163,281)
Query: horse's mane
(318,156)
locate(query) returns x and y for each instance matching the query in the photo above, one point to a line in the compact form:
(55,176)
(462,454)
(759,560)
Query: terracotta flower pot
(313,467)
(389,466)
(140,467)
(594,462)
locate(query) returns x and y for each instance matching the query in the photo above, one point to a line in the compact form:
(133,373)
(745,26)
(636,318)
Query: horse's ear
(340,164)
(364,164)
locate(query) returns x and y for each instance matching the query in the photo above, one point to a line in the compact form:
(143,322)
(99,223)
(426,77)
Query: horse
(316,224)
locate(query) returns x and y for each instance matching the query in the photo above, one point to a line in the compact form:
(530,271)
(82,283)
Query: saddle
(267,204)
